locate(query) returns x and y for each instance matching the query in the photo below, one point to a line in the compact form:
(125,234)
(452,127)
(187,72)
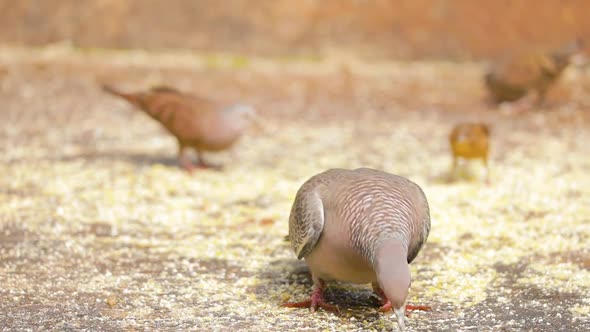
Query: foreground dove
(196,122)
(528,73)
(470,141)
(360,226)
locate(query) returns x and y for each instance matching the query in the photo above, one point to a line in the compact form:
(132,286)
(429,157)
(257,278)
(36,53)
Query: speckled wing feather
(394,207)
(306,221)
(417,244)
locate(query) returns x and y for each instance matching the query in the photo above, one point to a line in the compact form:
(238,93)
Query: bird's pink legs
(387,304)
(187,164)
(522,105)
(205,165)
(185,161)
(316,300)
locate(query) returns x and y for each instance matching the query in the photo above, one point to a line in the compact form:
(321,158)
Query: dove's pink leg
(316,300)
(187,164)
(205,165)
(185,161)
(524,104)
(387,304)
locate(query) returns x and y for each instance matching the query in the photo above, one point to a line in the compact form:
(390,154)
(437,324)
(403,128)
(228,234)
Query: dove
(528,73)
(360,226)
(196,122)
(470,141)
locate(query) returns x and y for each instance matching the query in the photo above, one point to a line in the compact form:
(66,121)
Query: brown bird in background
(528,73)
(470,141)
(196,122)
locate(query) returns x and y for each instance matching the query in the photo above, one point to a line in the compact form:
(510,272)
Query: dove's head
(393,274)
(240,110)
(242,116)
(570,52)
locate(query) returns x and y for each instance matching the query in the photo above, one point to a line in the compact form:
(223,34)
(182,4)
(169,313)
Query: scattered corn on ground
(100,230)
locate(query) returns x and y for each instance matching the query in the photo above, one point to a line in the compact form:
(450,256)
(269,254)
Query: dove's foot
(520,106)
(409,308)
(187,165)
(316,300)
(313,305)
(205,165)
(387,304)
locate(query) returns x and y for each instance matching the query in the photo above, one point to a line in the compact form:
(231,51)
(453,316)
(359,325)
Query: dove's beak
(401,315)
(580,60)
(258,122)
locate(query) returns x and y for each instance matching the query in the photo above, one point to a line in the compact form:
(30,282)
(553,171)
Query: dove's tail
(133,98)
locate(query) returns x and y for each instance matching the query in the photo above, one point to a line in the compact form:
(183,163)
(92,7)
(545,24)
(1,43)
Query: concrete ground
(101,231)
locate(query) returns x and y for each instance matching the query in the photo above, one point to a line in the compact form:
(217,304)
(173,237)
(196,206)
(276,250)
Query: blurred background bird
(470,141)
(196,122)
(524,76)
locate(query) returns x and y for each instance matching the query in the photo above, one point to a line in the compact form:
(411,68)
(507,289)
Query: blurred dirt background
(101,231)
(459,29)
